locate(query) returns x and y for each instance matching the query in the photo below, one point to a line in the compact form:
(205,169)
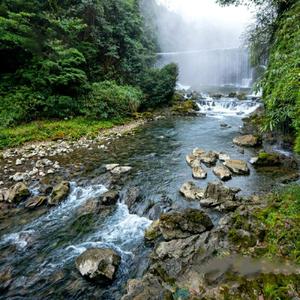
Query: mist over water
(206,41)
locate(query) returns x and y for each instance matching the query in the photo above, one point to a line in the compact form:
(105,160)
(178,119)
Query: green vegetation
(54,130)
(282,220)
(281,82)
(77,58)
(275,42)
(276,225)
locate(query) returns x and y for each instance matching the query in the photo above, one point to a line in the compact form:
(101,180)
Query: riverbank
(251,253)
(41,131)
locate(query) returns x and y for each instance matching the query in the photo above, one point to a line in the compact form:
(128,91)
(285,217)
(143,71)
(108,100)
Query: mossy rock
(241,96)
(152,232)
(265,159)
(188,107)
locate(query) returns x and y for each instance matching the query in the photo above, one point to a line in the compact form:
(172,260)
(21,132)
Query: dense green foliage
(275,42)
(281,82)
(76,57)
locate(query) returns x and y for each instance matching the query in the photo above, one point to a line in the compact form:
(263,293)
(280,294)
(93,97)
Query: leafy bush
(158,85)
(21,104)
(281,82)
(109,100)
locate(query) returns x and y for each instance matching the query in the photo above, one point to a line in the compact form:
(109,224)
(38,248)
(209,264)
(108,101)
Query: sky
(193,10)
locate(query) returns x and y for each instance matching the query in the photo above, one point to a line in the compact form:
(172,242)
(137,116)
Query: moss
(282,218)
(268,159)
(185,107)
(276,226)
(153,232)
(271,286)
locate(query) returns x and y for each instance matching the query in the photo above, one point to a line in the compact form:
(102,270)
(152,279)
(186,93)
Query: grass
(54,130)
(282,220)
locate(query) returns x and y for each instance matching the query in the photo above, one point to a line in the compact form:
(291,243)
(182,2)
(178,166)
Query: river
(40,250)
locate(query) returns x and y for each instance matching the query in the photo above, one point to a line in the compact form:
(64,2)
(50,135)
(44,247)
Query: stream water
(41,251)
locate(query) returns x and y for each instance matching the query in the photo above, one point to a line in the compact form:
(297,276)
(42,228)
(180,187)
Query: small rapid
(50,244)
(227,106)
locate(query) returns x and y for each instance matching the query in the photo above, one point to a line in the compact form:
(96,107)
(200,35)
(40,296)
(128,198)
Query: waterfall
(218,67)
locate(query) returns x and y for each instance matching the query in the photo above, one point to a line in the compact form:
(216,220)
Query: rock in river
(220,192)
(59,193)
(191,192)
(36,201)
(176,225)
(18,193)
(248,140)
(98,264)
(199,173)
(109,198)
(222,172)
(209,159)
(238,167)
(120,170)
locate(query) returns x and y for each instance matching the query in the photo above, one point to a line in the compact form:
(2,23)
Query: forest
(145,153)
(61,59)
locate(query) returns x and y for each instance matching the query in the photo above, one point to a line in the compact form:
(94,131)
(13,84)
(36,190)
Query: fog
(203,39)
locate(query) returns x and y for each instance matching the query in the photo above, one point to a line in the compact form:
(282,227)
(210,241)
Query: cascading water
(227,106)
(120,231)
(220,67)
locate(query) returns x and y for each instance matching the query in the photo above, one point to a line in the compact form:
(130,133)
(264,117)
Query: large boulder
(176,225)
(238,167)
(222,172)
(59,193)
(220,197)
(98,264)
(199,172)
(18,193)
(191,192)
(220,192)
(248,140)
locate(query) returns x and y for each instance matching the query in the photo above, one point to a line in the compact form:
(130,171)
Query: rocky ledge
(194,259)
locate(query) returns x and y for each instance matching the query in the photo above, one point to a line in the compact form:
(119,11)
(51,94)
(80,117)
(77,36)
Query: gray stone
(222,172)
(18,193)
(176,225)
(199,172)
(191,192)
(238,167)
(98,264)
(59,193)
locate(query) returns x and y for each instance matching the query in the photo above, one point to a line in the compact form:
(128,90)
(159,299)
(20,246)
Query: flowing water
(219,67)
(41,252)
